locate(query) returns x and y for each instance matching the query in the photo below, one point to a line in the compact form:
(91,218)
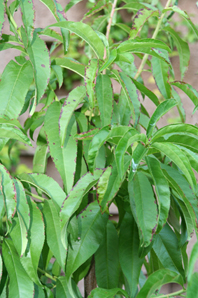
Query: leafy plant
(106,148)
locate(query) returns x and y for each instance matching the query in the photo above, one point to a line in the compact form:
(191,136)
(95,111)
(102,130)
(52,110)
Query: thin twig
(172,294)
(47,274)
(34,196)
(153,37)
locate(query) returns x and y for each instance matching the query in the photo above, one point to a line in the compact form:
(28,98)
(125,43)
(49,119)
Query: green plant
(107,150)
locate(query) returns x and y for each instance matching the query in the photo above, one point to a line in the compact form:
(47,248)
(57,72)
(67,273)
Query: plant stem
(172,294)
(109,27)
(153,37)
(10,17)
(47,274)
(34,196)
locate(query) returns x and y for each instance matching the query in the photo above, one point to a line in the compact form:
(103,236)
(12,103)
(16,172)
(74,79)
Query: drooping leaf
(158,279)
(2,14)
(104,97)
(134,6)
(129,258)
(161,110)
(51,33)
(160,72)
(4,46)
(10,130)
(183,50)
(92,226)
(102,184)
(39,57)
(106,259)
(112,57)
(179,158)
(15,82)
(189,91)
(18,233)
(96,8)
(143,207)
(59,74)
(30,259)
(146,91)
(47,185)
(71,64)
(86,33)
(90,75)
(71,4)
(20,284)
(137,156)
(53,232)
(161,188)
(167,249)
(40,159)
(192,261)
(192,286)
(8,192)
(70,104)
(28,16)
(105,293)
(64,288)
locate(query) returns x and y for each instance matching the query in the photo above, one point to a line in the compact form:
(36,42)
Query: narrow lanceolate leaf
(129,258)
(28,16)
(36,237)
(167,249)
(160,72)
(106,259)
(143,207)
(40,159)
(139,19)
(192,287)
(20,285)
(161,110)
(14,85)
(70,104)
(64,156)
(12,131)
(104,97)
(138,154)
(179,158)
(189,90)
(39,58)
(146,92)
(86,33)
(18,234)
(133,94)
(47,185)
(71,64)
(64,288)
(71,4)
(90,75)
(192,261)
(92,226)
(134,6)
(2,14)
(158,279)
(114,183)
(53,232)
(105,293)
(161,188)
(183,50)
(8,191)
(112,57)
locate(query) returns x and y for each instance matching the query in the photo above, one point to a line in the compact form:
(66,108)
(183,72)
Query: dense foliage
(106,148)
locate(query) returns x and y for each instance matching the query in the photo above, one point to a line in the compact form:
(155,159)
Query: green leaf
(129,258)
(75,196)
(4,46)
(28,16)
(36,236)
(167,249)
(2,15)
(192,261)
(64,156)
(183,50)
(179,158)
(51,33)
(86,33)
(8,191)
(63,288)
(112,57)
(104,95)
(161,188)
(139,20)
(47,185)
(137,156)
(1,267)
(106,259)
(192,288)
(133,45)
(133,94)
(18,233)
(143,207)
(146,92)
(53,232)
(158,279)
(96,8)
(105,293)
(134,6)
(92,226)
(70,104)
(40,159)
(160,72)
(59,74)
(184,15)
(189,91)
(160,111)
(39,57)
(20,285)
(90,75)
(14,85)
(71,4)
(114,183)
(10,130)
(71,64)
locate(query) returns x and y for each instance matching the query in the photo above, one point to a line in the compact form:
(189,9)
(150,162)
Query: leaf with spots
(92,226)
(2,15)
(14,85)
(39,57)
(90,75)
(28,16)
